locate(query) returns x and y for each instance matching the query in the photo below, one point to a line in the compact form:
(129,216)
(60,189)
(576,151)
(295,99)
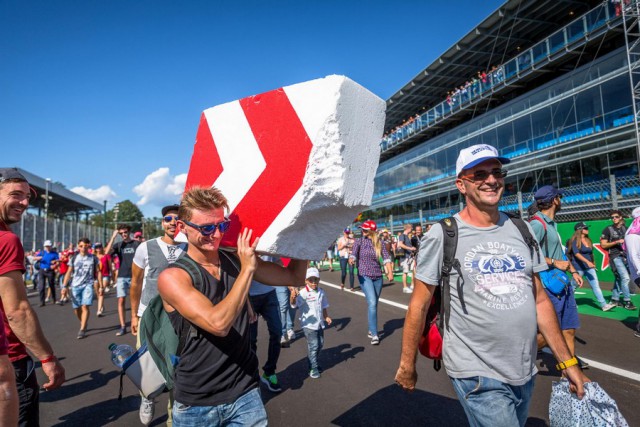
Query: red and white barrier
(296,164)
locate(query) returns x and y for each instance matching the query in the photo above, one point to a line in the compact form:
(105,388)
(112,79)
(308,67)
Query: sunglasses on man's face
(615,217)
(209,229)
(484,175)
(170,218)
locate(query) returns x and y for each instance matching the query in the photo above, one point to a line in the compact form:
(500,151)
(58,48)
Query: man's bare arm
(550,330)
(135,292)
(406,375)
(25,324)
(277,275)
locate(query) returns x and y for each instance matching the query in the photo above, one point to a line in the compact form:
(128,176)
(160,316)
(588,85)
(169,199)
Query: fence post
(421,220)
(391,224)
(35,227)
(614,193)
(520,204)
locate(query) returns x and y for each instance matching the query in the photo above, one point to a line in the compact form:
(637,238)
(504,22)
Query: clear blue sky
(104,93)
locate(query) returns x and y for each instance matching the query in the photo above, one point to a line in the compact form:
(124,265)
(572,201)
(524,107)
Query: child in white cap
(313,305)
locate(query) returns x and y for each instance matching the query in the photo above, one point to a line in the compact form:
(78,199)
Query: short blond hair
(202,199)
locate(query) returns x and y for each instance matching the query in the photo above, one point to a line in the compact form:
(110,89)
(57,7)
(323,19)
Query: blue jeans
(266,305)
(286,312)
(315,341)
(621,284)
(247,410)
(489,402)
(372,289)
(595,285)
(344,266)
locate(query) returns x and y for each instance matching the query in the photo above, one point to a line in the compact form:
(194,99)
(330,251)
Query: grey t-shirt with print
(497,338)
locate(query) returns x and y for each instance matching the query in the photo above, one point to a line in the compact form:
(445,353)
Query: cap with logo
(369,225)
(48,243)
(580,226)
(312,272)
(476,154)
(546,193)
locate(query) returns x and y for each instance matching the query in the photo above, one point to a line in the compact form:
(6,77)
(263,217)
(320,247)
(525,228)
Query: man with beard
(151,258)
(21,324)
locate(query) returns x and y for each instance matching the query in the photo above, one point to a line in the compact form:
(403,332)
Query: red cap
(369,225)
(137,234)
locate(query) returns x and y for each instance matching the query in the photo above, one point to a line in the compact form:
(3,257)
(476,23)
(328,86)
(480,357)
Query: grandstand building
(548,83)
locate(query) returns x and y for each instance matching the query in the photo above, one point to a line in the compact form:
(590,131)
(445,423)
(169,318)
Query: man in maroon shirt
(21,324)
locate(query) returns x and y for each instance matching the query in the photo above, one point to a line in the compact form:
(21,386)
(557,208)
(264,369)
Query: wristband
(567,363)
(51,358)
(574,272)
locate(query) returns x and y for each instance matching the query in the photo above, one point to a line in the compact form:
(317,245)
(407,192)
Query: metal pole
(391,224)
(46,206)
(614,194)
(421,219)
(520,204)
(64,243)
(104,223)
(35,226)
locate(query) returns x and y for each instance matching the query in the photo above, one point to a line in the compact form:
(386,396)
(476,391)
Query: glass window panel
(564,117)
(505,137)
(541,123)
(594,168)
(575,30)
(588,108)
(540,51)
(510,69)
(623,162)
(596,18)
(570,174)
(556,42)
(522,132)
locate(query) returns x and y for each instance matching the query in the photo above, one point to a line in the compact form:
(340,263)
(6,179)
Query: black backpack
(437,317)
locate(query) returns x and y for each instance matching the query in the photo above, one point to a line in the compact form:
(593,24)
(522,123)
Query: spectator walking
(580,249)
(21,323)
(313,304)
(367,251)
(406,262)
(125,250)
(490,339)
(549,202)
(48,262)
(84,272)
(345,245)
(632,245)
(612,239)
(150,259)
(106,267)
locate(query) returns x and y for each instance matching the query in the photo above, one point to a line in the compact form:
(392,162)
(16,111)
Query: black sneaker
(271,381)
(582,364)
(616,302)
(629,305)
(637,331)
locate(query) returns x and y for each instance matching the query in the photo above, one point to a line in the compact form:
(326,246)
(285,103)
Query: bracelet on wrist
(48,359)
(574,272)
(553,262)
(567,363)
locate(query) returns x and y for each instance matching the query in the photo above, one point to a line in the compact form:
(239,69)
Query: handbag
(144,373)
(596,409)
(554,280)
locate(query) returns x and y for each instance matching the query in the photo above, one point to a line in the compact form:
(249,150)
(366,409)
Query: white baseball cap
(48,243)
(312,272)
(636,212)
(476,154)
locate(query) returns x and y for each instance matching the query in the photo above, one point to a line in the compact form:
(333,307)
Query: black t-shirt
(611,234)
(406,240)
(216,370)
(125,252)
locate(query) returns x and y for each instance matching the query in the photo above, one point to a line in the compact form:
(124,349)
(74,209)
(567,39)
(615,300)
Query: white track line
(598,365)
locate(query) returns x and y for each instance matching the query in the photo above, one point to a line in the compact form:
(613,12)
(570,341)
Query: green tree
(152,228)
(128,213)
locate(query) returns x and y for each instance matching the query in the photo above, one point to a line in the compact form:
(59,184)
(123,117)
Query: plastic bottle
(120,353)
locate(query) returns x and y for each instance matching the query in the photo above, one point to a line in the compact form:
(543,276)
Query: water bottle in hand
(120,353)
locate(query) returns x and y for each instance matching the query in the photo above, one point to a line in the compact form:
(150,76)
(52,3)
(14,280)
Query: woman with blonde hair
(366,255)
(580,249)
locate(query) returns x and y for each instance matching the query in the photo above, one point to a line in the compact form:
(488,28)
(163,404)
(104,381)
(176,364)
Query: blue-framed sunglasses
(209,229)
(170,218)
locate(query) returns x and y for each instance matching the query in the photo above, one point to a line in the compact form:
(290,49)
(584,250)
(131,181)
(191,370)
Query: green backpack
(152,367)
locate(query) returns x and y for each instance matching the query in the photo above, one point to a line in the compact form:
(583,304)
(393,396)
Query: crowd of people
(501,271)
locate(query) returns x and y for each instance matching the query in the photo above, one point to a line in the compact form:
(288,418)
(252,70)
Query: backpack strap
(544,237)
(531,242)
(449,261)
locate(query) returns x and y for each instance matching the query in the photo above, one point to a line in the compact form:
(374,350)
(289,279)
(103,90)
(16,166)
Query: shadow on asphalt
(341,323)
(390,327)
(294,375)
(102,413)
(391,406)
(94,380)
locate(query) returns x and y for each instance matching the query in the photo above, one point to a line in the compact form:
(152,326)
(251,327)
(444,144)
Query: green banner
(601,257)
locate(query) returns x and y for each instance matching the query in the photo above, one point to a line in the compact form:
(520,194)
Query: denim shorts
(122,287)
(81,295)
(566,309)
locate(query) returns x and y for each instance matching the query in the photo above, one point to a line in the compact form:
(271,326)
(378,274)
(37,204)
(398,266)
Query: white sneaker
(290,334)
(146,411)
(407,290)
(608,306)
(375,340)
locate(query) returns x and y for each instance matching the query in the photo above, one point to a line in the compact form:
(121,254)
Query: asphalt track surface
(356,387)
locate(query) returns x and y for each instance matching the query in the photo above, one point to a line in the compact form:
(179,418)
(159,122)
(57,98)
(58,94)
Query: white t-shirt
(141,259)
(311,303)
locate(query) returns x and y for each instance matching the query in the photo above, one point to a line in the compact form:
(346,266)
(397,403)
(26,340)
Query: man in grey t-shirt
(489,350)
